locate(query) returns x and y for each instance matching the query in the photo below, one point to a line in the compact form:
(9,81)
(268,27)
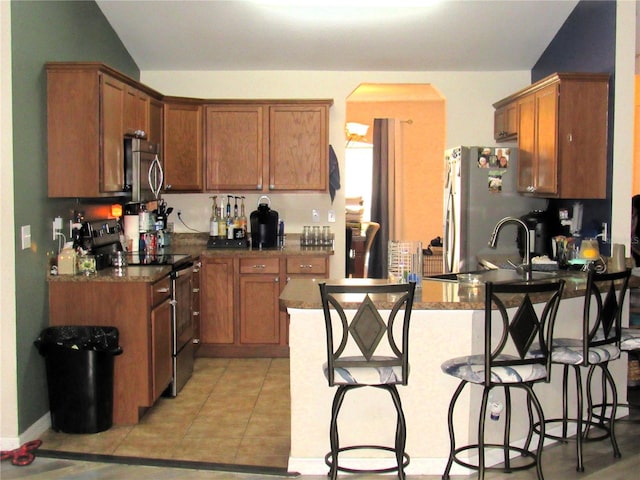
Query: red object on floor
(22,456)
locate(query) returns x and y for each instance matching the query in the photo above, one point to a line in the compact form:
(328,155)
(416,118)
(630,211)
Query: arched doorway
(420,112)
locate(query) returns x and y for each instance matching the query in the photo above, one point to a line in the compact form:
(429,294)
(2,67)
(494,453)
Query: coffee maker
(264,225)
(541,228)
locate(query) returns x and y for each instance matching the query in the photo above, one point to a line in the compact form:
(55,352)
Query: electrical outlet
(57,227)
(315,215)
(331,216)
(25,236)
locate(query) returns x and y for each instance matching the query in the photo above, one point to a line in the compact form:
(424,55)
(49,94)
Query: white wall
(8,380)
(469,95)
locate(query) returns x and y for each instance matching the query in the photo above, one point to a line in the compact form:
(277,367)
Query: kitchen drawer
(260,265)
(160,290)
(305,264)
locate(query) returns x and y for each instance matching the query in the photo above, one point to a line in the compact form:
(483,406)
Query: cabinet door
(154,132)
(112,124)
(259,309)
(236,144)
(298,147)
(73,98)
(546,158)
(216,301)
(505,125)
(526,143)
(136,111)
(182,147)
(161,360)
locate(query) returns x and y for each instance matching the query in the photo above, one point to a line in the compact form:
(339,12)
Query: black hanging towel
(334,173)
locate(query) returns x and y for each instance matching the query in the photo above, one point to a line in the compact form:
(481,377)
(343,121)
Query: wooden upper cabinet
(537,146)
(298,147)
(505,122)
(136,111)
(183,147)
(154,128)
(235,147)
(267,146)
(562,136)
(90,108)
(112,120)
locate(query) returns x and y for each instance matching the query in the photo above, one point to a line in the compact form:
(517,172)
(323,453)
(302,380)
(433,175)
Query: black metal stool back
(599,343)
(367,350)
(516,355)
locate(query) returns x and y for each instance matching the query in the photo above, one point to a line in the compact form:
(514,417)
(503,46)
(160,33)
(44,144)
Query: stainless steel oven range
(181,313)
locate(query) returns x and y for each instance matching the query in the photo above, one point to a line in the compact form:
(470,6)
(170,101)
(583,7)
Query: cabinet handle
(276,280)
(570,137)
(196,340)
(162,290)
(305,266)
(195,314)
(272,186)
(260,266)
(195,290)
(167,186)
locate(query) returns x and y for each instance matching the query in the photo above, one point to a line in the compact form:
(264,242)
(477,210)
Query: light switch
(25,235)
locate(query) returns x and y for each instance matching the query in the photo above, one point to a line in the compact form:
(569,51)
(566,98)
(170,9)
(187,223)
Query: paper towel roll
(131,232)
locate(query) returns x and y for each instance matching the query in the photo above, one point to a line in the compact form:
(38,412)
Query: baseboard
(34,432)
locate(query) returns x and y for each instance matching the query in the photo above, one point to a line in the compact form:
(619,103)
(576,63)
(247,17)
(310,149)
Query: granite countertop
(194,245)
(432,295)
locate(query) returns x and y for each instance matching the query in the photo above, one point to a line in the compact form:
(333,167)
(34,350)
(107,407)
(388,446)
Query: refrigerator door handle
(450,233)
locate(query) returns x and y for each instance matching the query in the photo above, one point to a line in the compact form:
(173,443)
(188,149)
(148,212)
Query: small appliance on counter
(101,238)
(543,225)
(264,225)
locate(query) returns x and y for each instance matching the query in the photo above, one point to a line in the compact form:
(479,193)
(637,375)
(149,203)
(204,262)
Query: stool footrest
(606,432)
(529,455)
(328,462)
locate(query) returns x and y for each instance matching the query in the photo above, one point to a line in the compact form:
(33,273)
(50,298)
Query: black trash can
(79,363)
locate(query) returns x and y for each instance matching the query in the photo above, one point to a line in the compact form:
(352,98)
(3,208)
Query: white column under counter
(446,322)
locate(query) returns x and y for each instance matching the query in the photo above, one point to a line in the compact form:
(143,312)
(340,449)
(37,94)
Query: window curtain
(383,193)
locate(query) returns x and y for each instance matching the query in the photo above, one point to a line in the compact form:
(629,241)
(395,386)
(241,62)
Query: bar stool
(630,343)
(599,344)
(508,361)
(356,357)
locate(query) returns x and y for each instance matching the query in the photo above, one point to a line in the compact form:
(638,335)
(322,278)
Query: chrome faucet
(525,267)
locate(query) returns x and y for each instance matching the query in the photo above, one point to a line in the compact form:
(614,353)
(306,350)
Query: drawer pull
(261,266)
(306,266)
(196,290)
(163,290)
(195,314)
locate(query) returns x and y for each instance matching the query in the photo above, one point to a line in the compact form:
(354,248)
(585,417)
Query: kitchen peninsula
(447,321)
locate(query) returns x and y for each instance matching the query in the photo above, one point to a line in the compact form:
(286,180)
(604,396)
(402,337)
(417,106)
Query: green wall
(44,31)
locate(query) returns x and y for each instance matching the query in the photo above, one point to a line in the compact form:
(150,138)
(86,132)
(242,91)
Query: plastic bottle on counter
(213,221)
(67,260)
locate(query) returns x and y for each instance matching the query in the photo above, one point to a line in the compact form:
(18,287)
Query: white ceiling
(340,35)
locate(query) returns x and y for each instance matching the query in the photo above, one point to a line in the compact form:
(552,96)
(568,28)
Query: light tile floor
(232,411)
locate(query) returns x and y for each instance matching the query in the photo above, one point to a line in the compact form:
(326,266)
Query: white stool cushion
(365,375)
(471,369)
(568,351)
(630,339)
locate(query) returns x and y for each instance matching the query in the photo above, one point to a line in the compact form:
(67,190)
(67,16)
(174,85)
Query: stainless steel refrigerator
(480,189)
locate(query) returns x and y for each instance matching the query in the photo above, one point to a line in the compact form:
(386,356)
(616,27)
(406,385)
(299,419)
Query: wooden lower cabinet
(142,315)
(239,294)
(216,301)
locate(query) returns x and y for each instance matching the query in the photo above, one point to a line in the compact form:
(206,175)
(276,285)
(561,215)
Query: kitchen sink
(498,275)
